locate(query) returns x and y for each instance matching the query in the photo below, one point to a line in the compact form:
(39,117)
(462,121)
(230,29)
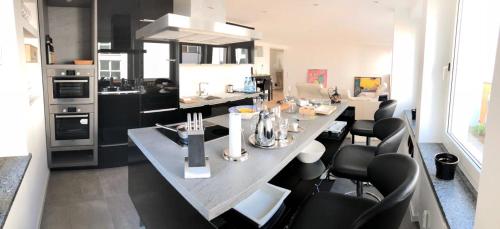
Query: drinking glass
(283,128)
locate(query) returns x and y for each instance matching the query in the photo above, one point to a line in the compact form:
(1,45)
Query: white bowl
(312,152)
(262,204)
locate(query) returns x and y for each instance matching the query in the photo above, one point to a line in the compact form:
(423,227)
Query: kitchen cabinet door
(150,10)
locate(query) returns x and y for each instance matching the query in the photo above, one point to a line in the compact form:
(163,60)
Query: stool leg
(367,141)
(352,139)
(359,189)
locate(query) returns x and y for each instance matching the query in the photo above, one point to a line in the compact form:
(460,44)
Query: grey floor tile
(123,212)
(90,215)
(114,181)
(55,217)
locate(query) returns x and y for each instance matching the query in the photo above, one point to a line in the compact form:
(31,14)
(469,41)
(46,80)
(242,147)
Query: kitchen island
(217,99)
(195,203)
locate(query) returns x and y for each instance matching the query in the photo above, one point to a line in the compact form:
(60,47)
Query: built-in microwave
(72,125)
(71,86)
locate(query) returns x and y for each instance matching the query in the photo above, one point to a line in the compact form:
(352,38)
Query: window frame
(468,164)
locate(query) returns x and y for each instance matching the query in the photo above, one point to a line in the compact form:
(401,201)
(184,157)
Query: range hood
(197,21)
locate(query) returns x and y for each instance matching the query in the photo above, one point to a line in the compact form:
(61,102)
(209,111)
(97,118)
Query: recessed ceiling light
(264,11)
(376,2)
(316,4)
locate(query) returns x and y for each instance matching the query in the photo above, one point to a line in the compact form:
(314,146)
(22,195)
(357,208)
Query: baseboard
(414,217)
(40,216)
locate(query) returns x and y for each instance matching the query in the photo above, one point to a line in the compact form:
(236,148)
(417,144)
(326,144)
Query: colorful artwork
(366,84)
(317,76)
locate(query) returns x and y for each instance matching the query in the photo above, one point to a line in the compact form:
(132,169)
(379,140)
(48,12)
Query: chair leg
(352,139)
(368,141)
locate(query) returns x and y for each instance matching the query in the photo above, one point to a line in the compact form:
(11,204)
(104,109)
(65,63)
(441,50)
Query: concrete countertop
(230,182)
(224,98)
(12,171)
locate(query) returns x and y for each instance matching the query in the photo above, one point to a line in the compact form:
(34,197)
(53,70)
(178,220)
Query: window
(112,64)
(473,65)
(219,55)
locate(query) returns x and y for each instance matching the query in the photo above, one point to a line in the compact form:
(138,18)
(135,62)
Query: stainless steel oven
(71,86)
(72,125)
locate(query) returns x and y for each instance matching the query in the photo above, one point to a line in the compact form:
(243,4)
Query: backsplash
(217,77)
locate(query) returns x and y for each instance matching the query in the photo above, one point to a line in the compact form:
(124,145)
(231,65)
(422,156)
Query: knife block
(196,164)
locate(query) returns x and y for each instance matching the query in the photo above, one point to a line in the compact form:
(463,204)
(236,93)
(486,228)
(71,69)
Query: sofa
(365,103)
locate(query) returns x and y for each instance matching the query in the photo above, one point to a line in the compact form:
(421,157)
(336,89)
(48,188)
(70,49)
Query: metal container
(264,132)
(229,88)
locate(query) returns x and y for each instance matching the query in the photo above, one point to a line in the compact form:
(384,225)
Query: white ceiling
(289,21)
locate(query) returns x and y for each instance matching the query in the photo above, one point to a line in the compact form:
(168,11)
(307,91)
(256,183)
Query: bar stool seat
(363,128)
(352,161)
(331,210)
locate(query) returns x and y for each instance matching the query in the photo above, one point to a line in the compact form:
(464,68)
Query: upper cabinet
(67,31)
(150,10)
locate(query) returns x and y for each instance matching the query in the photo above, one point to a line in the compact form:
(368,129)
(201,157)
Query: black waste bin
(446,163)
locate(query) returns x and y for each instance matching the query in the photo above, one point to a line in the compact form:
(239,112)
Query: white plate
(262,204)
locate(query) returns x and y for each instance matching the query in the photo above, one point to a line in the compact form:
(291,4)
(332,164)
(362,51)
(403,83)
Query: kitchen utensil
(264,132)
(180,130)
(196,164)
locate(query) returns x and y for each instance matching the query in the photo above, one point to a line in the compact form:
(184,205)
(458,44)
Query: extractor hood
(197,21)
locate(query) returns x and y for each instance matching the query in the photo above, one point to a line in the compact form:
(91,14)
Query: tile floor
(89,199)
(98,199)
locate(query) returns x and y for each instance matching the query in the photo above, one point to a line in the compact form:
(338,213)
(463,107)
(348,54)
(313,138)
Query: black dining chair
(365,127)
(337,211)
(351,161)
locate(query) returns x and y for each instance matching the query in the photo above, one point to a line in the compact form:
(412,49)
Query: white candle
(234,135)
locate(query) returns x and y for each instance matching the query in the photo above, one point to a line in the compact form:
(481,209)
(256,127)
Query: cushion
(363,128)
(352,161)
(331,210)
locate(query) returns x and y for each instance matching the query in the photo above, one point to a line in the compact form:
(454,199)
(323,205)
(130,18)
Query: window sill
(457,197)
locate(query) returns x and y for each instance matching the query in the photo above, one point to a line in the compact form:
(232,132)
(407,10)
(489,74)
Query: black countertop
(457,197)
(12,171)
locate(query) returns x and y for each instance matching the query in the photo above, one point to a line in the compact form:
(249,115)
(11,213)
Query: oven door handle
(71,81)
(72,116)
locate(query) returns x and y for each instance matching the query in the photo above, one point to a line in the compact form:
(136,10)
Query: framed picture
(366,84)
(317,76)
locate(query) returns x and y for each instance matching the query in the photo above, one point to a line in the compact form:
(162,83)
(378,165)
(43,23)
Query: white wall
(344,61)
(217,77)
(23,124)
(409,31)
(488,199)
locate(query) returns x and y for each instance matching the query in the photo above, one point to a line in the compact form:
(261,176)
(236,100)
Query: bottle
(254,85)
(246,86)
(49,50)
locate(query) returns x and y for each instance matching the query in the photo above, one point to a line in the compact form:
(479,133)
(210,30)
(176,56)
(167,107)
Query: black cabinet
(150,10)
(117,114)
(162,117)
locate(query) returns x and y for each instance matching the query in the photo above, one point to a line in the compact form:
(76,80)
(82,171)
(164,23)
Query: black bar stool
(365,127)
(351,161)
(333,210)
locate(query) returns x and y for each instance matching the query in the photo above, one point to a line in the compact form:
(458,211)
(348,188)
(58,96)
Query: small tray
(300,129)
(278,144)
